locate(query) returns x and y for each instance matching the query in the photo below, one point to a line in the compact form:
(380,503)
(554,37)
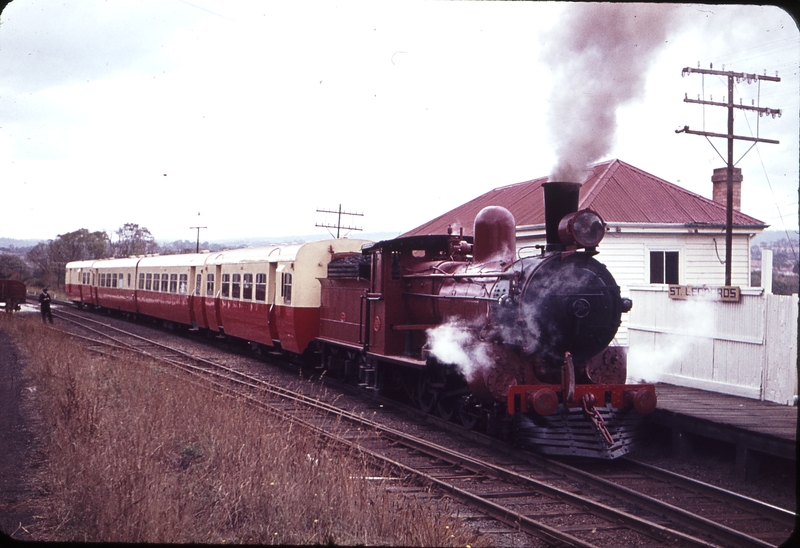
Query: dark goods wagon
(12,293)
(471,330)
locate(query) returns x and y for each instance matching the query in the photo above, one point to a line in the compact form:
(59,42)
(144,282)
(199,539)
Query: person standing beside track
(44,302)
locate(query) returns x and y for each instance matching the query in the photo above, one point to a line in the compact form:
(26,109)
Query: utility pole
(738,76)
(198,236)
(338,226)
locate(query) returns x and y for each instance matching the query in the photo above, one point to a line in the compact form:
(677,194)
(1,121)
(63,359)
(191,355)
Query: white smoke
(455,343)
(600,55)
(688,330)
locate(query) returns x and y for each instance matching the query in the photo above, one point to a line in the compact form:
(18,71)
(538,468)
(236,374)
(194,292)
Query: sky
(246,117)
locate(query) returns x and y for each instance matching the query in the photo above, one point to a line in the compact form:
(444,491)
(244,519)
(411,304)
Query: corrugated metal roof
(619,192)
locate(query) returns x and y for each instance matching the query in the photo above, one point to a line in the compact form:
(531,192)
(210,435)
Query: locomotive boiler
(472,329)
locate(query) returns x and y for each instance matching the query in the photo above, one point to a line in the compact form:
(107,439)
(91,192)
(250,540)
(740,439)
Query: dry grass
(135,455)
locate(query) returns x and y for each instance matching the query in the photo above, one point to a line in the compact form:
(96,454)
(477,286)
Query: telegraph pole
(198,235)
(738,76)
(338,226)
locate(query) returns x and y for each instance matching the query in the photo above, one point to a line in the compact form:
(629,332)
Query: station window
(141,280)
(664,267)
(247,287)
(236,286)
(173,283)
(226,285)
(156,281)
(261,287)
(209,285)
(286,287)
(183,286)
(148,282)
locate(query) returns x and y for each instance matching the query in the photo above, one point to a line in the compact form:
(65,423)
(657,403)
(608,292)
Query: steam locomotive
(463,326)
(471,330)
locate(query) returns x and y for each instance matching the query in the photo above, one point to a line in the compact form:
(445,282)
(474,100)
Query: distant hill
(11,242)
(772,236)
(254,242)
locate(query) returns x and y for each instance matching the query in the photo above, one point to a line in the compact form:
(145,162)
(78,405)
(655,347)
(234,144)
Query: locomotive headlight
(583,228)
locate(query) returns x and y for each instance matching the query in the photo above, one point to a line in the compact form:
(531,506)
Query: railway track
(607,504)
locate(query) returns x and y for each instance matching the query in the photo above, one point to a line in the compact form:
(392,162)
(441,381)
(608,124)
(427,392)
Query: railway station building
(656,231)
(658,235)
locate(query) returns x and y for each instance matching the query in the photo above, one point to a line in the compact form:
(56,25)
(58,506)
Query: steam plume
(456,343)
(600,55)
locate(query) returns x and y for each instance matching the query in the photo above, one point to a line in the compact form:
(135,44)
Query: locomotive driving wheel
(425,395)
(447,407)
(469,412)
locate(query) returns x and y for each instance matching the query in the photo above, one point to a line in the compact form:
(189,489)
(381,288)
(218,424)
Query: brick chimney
(720,181)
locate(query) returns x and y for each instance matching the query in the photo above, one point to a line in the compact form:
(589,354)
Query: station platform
(754,427)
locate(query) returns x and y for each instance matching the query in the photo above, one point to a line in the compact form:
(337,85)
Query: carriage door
(193,300)
(217,299)
(272,284)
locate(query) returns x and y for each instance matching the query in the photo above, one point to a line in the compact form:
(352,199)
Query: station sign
(728,293)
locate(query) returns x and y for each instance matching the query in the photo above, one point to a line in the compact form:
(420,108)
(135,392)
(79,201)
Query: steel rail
(729,536)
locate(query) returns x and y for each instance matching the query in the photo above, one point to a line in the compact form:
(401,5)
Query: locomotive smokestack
(559,199)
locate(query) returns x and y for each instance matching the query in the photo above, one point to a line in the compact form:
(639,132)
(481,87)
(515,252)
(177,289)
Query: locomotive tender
(463,325)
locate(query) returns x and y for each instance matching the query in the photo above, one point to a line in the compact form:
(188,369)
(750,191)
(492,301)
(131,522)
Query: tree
(14,267)
(50,259)
(133,240)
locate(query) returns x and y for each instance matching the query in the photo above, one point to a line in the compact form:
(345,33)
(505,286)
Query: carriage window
(198,285)
(156,278)
(261,287)
(183,287)
(247,287)
(226,285)
(148,281)
(235,286)
(209,285)
(129,280)
(286,285)
(173,283)
(664,267)
(114,279)
(164,283)
(141,280)
(101,280)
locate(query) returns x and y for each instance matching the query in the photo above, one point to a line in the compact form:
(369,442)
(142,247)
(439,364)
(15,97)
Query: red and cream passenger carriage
(265,295)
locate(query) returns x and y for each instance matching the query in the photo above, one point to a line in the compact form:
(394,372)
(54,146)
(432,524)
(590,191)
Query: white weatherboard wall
(746,349)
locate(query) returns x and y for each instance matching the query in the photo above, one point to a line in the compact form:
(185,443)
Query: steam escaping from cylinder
(599,55)
(455,343)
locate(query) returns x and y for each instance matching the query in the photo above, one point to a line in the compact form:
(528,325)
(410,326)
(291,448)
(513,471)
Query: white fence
(746,348)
